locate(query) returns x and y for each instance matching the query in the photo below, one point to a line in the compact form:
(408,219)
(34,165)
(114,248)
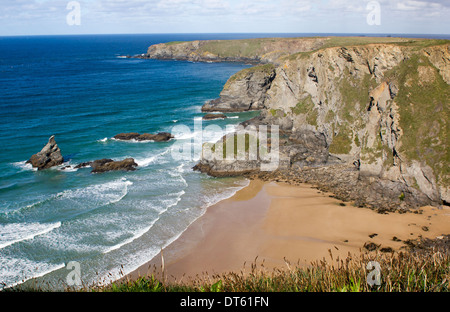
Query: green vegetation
(174,42)
(277,113)
(355,94)
(330,116)
(303,106)
(420,44)
(235,48)
(307,107)
(400,272)
(334,42)
(342,142)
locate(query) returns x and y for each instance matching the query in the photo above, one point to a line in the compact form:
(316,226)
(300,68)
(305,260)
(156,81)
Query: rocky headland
(365,118)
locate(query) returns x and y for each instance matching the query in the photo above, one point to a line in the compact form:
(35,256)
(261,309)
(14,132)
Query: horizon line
(236,33)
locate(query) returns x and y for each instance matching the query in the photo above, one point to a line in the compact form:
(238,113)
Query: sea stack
(48,157)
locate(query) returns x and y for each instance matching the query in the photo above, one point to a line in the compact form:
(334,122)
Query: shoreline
(273,224)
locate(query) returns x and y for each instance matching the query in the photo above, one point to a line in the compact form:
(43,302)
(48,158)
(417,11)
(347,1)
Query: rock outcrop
(214,116)
(244,91)
(105,165)
(160,137)
(48,157)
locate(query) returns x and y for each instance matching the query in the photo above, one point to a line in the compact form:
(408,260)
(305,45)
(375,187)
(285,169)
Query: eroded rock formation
(48,157)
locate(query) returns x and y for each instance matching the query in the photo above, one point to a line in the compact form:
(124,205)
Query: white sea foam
(166,205)
(104,140)
(146,161)
(106,193)
(133,141)
(24,166)
(69,169)
(28,270)
(18,232)
(86,198)
(135,236)
(206,135)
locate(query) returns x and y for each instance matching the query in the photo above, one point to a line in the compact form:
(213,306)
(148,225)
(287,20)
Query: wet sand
(274,222)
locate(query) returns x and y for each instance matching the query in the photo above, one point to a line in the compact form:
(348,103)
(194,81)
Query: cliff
(376,112)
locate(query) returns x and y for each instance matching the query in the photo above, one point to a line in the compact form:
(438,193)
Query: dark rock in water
(48,157)
(83,165)
(214,116)
(160,137)
(127,136)
(105,165)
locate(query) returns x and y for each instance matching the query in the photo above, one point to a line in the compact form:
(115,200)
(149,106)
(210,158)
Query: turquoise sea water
(80,90)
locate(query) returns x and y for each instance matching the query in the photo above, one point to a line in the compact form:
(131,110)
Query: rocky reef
(366,119)
(106,165)
(160,137)
(214,116)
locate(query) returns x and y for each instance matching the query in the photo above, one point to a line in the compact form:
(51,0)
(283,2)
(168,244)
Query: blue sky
(49,17)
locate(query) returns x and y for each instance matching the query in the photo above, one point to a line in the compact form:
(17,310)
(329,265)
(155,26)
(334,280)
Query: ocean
(81,90)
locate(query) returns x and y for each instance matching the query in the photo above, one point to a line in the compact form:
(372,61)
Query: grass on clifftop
(334,42)
(402,272)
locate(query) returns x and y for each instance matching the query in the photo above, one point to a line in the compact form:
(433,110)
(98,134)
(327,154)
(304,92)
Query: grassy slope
(402,272)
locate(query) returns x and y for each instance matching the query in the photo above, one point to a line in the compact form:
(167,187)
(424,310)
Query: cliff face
(382,107)
(244,91)
(381,110)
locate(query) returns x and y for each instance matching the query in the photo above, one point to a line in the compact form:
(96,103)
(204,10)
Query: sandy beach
(274,222)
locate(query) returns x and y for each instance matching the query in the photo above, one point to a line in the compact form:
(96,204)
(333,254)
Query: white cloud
(223,15)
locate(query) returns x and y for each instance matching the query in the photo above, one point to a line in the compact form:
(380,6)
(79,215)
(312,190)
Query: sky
(56,17)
